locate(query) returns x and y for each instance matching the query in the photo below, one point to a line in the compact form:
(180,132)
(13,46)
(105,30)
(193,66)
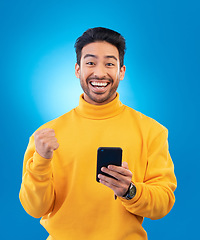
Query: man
(59,174)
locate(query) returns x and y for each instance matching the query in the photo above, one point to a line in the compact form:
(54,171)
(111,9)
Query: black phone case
(108,156)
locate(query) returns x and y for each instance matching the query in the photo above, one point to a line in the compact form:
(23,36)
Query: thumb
(125,165)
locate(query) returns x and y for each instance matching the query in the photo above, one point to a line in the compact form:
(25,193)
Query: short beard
(93,98)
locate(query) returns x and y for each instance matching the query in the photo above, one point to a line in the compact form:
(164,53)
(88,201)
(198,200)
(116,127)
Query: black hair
(101,34)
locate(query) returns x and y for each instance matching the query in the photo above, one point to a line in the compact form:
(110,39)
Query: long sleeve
(154,197)
(37,190)
(64,191)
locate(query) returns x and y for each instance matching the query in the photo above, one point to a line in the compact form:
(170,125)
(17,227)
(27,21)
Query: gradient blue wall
(38,84)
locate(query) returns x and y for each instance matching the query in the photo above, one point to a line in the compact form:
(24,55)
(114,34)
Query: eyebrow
(111,56)
(94,56)
(90,55)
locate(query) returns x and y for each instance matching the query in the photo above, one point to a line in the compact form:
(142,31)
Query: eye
(90,63)
(110,64)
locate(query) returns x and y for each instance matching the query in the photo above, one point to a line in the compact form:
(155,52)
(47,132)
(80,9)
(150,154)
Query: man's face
(99,72)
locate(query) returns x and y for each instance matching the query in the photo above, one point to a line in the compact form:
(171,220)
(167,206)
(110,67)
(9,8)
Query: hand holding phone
(108,156)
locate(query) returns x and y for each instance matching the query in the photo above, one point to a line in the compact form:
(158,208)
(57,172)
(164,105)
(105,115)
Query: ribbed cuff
(39,165)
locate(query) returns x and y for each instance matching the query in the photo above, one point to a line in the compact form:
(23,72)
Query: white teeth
(99,84)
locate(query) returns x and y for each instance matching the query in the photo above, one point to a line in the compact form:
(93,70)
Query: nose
(100,71)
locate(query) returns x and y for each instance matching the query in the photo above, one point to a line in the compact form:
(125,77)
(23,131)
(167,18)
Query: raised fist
(45,142)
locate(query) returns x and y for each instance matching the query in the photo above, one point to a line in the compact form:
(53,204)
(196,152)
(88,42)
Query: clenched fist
(45,142)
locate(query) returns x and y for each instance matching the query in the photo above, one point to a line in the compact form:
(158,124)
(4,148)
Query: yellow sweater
(64,192)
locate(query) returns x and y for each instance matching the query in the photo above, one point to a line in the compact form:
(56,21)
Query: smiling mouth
(99,85)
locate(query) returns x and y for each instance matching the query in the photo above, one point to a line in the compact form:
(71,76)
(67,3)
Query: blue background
(38,84)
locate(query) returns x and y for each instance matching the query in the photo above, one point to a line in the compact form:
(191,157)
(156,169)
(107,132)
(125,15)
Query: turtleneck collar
(92,111)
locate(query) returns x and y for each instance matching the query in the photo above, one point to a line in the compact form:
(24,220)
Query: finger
(56,146)
(125,165)
(110,185)
(52,144)
(121,170)
(48,132)
(118,189)
(45,131)
(111,173)
(108,181)
(118,176)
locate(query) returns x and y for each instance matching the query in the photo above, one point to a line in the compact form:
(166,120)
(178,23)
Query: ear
(122,72)
(77,70)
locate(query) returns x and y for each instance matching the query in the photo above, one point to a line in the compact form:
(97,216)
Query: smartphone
(108,156)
